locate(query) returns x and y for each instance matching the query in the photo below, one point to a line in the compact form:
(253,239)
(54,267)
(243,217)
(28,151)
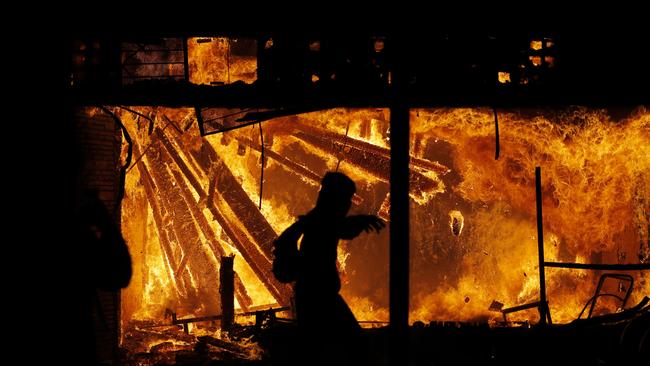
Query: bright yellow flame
(366,310)
(504,77)
(536,45)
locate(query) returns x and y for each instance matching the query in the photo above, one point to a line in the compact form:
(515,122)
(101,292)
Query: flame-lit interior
(473,231)
(191,199)
(178,222)
(210,60)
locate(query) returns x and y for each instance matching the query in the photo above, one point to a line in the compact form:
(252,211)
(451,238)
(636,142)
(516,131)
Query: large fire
(596,199)
(179,222)
(191,199)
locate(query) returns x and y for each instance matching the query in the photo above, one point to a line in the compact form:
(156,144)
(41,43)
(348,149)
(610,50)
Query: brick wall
(99,140)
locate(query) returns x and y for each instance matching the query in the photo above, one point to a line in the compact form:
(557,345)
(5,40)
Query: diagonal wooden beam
(377,165)
(340,140)
(241,220)
(167,234)
(163,236)
(241,294)
(172,193)
(294,167)
(246,247)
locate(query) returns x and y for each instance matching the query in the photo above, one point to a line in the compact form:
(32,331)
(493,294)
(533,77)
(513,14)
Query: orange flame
(595,189)
(212,60)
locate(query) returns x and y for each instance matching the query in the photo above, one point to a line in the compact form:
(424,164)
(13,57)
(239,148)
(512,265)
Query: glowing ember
(379,45)
(504,77)
(535,60)
(456,222)
(536,45)
(550,60)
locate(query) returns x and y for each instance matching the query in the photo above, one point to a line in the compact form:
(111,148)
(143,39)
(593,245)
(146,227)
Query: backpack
(285,254)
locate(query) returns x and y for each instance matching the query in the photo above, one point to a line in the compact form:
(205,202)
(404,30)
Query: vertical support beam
(497,147)
(543,306)
(186,60)
(227,291)
(399,214)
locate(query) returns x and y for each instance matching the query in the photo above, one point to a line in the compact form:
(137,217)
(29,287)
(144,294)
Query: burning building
(221,142)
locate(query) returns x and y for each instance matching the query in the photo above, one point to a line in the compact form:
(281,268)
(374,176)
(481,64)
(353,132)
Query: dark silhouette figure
(103,263)
(328,328)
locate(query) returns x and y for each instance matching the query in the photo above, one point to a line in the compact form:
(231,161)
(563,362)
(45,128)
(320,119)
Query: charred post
(227,291)
(543,306)
(399,222)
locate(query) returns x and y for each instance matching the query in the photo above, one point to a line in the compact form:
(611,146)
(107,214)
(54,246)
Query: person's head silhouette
(335,196)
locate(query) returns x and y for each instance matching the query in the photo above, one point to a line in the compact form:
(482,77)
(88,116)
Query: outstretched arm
(355,224)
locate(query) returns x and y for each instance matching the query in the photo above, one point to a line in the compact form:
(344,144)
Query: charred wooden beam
(520,307)
(166,234)
(604,267)
(180,163)
(342,140)
(543,309)
(176,321)
(207,230)
(299,169)
(180,278)
(378,165)
(257,256)
(257,261)
(172,193)
(227,291)
(293,166)
(163,236)
(213,243)
(181,246)
(207,318)
(181,265)
(257,309)
(244,209)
